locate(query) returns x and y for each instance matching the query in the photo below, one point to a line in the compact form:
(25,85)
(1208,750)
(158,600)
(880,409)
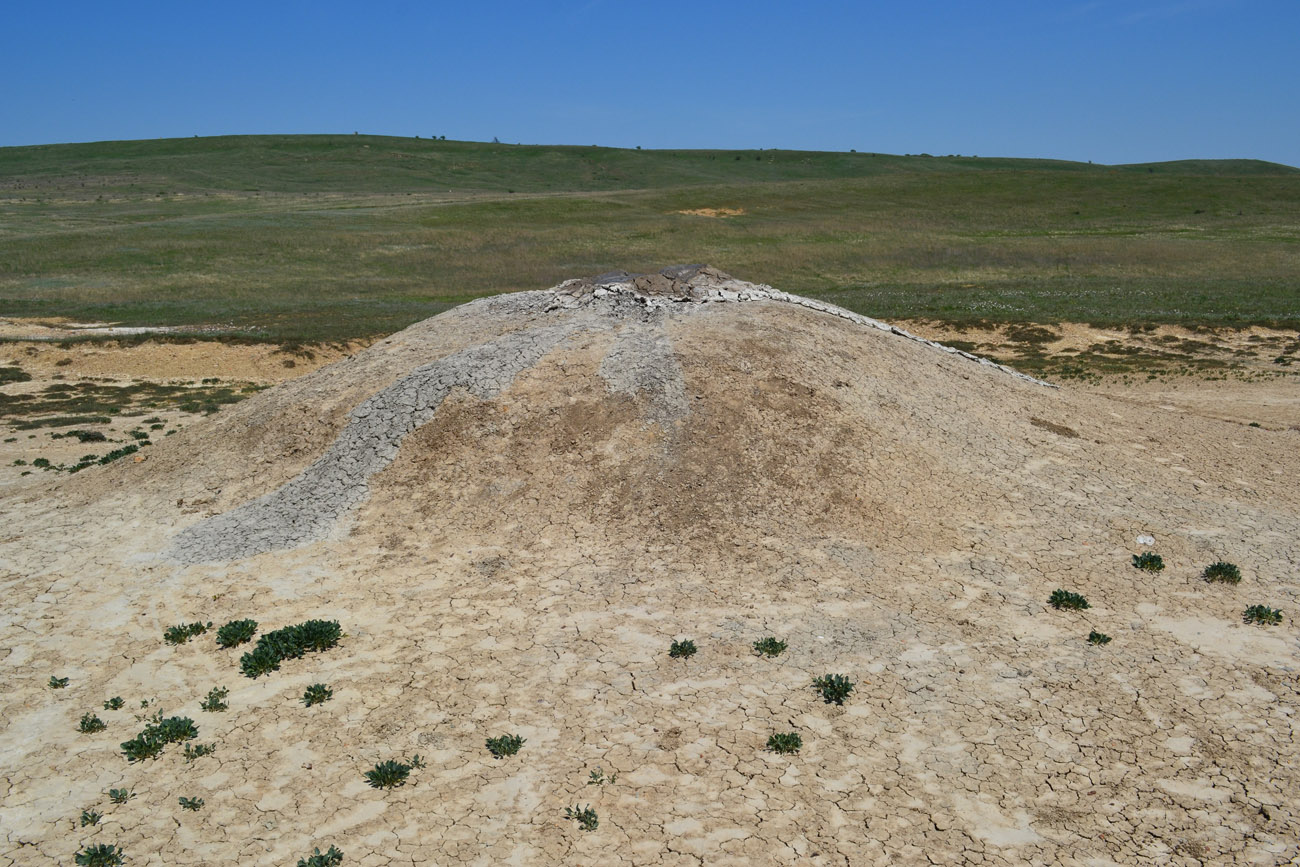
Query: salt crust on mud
(523,558)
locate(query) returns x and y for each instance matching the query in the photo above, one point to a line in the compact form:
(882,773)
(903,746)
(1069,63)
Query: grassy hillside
(310,237)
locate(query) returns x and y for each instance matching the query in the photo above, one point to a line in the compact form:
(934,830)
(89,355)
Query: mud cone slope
(515,508)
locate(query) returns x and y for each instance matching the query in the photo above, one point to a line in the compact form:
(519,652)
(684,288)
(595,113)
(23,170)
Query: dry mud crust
(896,513)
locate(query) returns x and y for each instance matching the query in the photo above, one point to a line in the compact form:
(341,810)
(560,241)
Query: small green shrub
(120,796)
(332,858)
(192,804)
(1262,615)
(183,632)
(506,745)
(291,642)
(57,682)
(216,700)
(236,632)
(785,742)
(769,647)
(389,774)
(196,751)
(90,817)
(90,724)
(585,816)
(114,703)
(682,649)
(1098,638)
(100,855)
(317,693)
(1149,561)
(834,688)
(1226,573)
(1067,601)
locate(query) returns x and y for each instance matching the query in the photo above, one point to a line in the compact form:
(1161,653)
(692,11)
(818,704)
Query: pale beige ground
(896,514)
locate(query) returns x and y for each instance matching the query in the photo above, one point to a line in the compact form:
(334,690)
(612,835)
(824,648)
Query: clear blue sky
(1104,80)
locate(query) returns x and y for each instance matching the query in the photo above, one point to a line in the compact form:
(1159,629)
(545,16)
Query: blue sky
(1104,80)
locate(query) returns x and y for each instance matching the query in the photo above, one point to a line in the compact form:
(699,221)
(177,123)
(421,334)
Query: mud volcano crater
(515,509)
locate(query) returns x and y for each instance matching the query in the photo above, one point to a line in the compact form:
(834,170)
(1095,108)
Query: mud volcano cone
(516,508)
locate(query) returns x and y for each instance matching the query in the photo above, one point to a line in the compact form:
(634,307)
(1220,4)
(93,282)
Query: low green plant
(317,693)
(1226,573)
(1148,561)
(834,688)
(785,742)
(506,745)
(216,700)
(332,858)
(291,642)
(192,804)
(1262,615)
(90,724)
(196,751)
(100,855)
(57,682)
(90,817)
(236,632)
(585,816)
(769,647)
(120,796)
(390,774)
(114,703)
(1064,600)
(1098,638)
(598,778)
(157,734)
(183,632)
(682,649)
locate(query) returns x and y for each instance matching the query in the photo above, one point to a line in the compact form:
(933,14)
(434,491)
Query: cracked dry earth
(515,507)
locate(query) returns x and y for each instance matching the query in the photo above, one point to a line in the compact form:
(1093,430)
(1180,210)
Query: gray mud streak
(306,508)
(642,362)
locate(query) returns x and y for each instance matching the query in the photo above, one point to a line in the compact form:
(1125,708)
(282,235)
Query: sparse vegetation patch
(1148,561)
(682,649)
(1262,615)
(1098,638)
(291,642)
(785,742)
(157,734)
(192,804)
(834,688)
(505,745)
(769,647)
(114,703)
(584,816)
(183,632)
(390,774)
(331,858)
(90,817)
(120,796)
(90,724)
(317,693)
(100,855)
(57,682)
(1225,573)
(236,632)
(1064,600)
(215,700)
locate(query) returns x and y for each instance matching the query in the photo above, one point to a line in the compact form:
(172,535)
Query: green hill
(304,237)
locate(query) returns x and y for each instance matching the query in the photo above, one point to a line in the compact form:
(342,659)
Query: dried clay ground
(513,509)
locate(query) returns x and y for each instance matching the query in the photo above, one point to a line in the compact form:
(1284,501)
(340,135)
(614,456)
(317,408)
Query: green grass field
(335,237)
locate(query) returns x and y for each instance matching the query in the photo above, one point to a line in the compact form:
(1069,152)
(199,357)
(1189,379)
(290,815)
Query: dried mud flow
(514,508)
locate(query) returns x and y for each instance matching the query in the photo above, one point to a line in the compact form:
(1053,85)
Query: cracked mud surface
(523,557)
